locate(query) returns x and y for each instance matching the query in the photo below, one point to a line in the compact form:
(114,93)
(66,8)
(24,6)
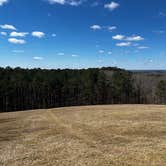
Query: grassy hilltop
(84,136)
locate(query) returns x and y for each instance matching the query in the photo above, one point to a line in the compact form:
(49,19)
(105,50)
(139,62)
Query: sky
(129,34)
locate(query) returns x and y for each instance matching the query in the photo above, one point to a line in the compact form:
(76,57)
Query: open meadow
(118,135)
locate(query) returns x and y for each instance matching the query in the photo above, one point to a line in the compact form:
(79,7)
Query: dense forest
(26,89)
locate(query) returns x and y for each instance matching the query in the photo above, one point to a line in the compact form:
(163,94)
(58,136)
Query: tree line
(27,89)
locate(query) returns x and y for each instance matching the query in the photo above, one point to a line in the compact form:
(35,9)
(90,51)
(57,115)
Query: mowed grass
(118,135)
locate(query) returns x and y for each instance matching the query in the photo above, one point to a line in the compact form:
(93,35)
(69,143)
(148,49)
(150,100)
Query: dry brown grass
(125,135)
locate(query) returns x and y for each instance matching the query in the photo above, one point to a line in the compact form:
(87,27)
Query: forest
(27,89)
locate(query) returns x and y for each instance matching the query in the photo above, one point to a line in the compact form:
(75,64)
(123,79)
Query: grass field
(119,135)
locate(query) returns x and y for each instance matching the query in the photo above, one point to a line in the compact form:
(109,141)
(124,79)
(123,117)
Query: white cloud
(118,37)
(101,51)
(49,15)
(162,14)
(18,51)
(2,2)
(16,41)
(38,58)
(111,6)
(109,53)
(159,31)
(18,34)
(3,33)
(61,53)
(75,3)
(100,61)
(134,38)
(123,44)
(7,26)
(66,2)
(62,2)
(142,47)
(135,44)
(150,60)
(136,51)
(94,4)
(111,28)
(74,55)
(53,35)
(96,27)
(130,38)
(38,34)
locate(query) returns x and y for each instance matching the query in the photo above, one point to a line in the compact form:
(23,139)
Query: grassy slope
(84,136)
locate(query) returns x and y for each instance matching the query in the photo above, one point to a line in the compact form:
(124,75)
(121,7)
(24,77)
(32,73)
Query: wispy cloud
(142,47)
(159,31)
(99,27)
(134,38)
(2,2)
(111,28)
(67,2)
(162,14)
(16,41)
(123,44)
(61,53)
(62,2)
(74,55)
(148,61)
(130,38)
(111,6)
(94,4)
(100,61)
(3,33)
(110,53)
(38,34)
(7,26)
(101,51)
(53,35)
(75,3)
(18,51)
(38,58)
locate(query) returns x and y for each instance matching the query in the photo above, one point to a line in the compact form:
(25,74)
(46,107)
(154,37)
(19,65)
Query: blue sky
(130,34)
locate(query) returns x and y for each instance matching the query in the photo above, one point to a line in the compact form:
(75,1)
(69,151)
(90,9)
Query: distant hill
(148,71)
(148,81)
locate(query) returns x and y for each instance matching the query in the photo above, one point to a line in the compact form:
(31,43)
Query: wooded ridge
(26,89)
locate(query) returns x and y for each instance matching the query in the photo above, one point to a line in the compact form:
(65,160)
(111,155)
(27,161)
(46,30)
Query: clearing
(118,135)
